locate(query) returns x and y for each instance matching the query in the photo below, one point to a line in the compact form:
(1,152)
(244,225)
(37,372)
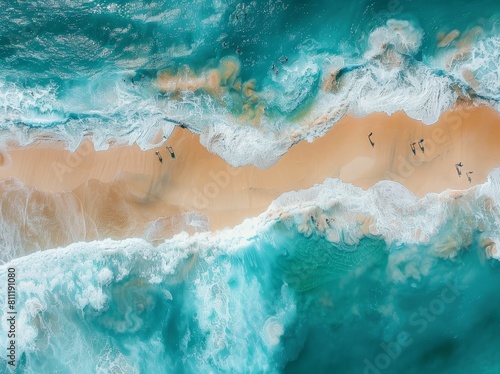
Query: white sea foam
(483,64)
(443,221)
(402,36)
(105,276)
(272,332)
(386,78)
(75,278)
(79,275)
(417,91)
(243,145)
(293,85)
(166,227)
(70,279)
(104,109)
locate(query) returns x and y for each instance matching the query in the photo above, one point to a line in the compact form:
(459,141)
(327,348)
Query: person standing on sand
(159,156)
(171,150)
(458,167)
(420,145)
(412,146)
(370,139)
(468,176)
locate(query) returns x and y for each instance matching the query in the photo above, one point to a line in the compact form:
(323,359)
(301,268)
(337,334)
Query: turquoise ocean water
(331,279)
(93,67)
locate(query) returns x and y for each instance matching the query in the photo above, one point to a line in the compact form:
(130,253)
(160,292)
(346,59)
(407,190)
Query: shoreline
(121,190)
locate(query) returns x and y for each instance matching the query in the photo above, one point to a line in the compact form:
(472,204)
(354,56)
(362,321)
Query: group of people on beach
(169,149)
(458,167)
(420,143)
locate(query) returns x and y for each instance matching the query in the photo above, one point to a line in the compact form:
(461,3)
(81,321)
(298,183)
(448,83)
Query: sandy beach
(121,190)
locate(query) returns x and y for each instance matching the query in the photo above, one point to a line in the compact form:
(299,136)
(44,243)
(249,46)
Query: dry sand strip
(124,188)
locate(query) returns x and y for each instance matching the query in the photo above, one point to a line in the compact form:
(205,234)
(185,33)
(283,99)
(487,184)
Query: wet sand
(121,190)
